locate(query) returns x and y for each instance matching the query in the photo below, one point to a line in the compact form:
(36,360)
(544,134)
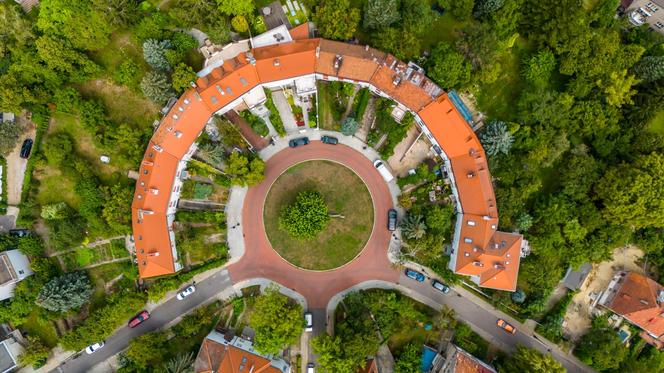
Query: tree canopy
(336,19)
(306,217)
(69,291)
(530,360)
(277,320)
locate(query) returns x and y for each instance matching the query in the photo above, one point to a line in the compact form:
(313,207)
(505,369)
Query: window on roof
(213,98)
(229,90)
(243,81)
(466,254)
(145,172)
(471,223)
(468,240)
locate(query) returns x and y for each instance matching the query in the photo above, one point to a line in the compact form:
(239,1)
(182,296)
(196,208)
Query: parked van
(384,172)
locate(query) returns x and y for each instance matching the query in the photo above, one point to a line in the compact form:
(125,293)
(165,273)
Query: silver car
(186,292)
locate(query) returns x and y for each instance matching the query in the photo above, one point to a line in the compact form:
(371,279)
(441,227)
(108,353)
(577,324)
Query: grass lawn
(342,239)
(122,104)
(121,47)
(444,28)
(657,123)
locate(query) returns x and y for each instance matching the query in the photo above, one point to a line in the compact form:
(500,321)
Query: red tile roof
(636,300)
(226,84)
(216,357)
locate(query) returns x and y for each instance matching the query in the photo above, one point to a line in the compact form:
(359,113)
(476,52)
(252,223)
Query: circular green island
(318,215)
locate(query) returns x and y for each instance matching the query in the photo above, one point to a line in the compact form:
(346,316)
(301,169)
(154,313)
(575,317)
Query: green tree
(650,68)
(349,126)
(539,68)
(236,7)
(530,360)
(416,16)
(601,349)
(244,171)
(156,87)
(460,9)
(381,13)
(182,363)
(404,43)
(79,22)
(336,19)
(409,359)
(117,208)
(69,291)
(154,53)
(618,89)
(9,133)
(497,138)
(35,353)
(277,320)
(127,73)
(340,356)
(182,77)
(448,68)
(240,24)
(62,58)
(305,218)
(413,226)
(32,246)
(147,350)
(67,100)
(57,148)
(55,211)
(119,13)
(484,8)
(631,193)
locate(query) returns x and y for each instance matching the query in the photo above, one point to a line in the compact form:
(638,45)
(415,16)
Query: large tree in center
(306,217)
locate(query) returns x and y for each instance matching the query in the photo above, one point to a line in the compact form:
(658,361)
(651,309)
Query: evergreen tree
(349,126)
(154,52)
(496,138)
(380,13)
(413,227)
(156,87)
(484,8)
(650,68)
(69,291)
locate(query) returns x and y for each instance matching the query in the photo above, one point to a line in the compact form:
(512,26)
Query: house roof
(216,357)
(300,32)
(467,363)
(405,83)
(636,300)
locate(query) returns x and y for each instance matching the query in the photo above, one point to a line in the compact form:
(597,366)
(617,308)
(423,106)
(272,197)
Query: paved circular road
(260,260)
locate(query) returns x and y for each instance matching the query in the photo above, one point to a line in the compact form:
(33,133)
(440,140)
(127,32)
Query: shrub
(57,148)
(155,86)
(240,24)
(275,118)
(67,100)
(306,217)
(127,73)
(349,126)
(69,291)
(360,103)
(9,133)
(182,77)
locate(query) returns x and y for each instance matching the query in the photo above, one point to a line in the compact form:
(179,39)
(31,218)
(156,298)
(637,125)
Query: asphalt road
(483,319)
(159,317)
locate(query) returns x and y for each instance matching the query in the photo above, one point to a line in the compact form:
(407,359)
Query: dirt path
(366,120)
(16,165)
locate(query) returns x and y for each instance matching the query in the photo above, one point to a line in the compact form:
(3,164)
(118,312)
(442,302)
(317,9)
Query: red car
(138,319)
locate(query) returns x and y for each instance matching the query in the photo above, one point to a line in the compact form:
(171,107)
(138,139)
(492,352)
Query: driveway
(16,165)
(284,108)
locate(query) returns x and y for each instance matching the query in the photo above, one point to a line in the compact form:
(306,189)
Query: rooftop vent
(477,263)
(471,223)
(466,253)
(192,84)
(250,58)
(157,148)
(468,240)
(180,109)
(498,266)
(397,80)
(178,134)
(337,61)
(243,81)
(470,175)
(186,101)
(154,191)
(275,62)
(154,253)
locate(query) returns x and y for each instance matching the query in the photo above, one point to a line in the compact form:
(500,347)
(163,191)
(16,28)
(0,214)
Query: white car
(91,349)
(186,292)
(309,319)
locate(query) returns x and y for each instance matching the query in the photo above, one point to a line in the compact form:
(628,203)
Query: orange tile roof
(226,84)
(216,357)
(467,363)
(284,61)
(300,32)
(636,300)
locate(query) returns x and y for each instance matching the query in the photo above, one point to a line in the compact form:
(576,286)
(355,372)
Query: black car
(19,232)
(392,220)
(329,140)
(294,143)
(26,148)
(440,286)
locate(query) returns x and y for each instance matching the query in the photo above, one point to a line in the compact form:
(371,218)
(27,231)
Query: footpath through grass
(344,192)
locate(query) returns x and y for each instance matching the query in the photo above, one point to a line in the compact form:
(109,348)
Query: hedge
(275,118)
(360,103)
(161,286)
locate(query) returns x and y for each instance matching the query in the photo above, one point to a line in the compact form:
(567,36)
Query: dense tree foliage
(9,133)
(69,291)
(277,320)
(245,170)
(336,19)
(236,7)
(380,13)
(35,353)
(461,9)
(349,126)
(530,360)
(409,359)
(156,87)
(601,347)
(306,217)
(448,68)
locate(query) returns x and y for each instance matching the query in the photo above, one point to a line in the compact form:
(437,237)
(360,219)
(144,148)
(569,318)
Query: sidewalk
(235,239)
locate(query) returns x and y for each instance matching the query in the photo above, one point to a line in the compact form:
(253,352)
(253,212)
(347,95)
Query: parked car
(392,220)
(506,326)
(440,286)
(329,140)
(294,143)
(186,292)
(91,349)
(382,169)
(19,232)
(138,319)
(311,368)
(309,319)
(415,275)
(26,148)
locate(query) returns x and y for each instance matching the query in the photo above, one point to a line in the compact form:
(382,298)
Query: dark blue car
(415,275)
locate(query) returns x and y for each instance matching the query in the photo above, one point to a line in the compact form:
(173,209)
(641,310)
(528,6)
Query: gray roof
(574,279)
(7,362)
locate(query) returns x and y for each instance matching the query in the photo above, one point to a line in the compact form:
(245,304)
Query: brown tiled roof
(636,300)
(214,357)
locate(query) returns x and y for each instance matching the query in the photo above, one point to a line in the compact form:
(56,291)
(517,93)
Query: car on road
(329,140)
(415,275)
(392,220)
(294,143)
(309,319)
(138,319)
(91,349)
(186,292)
(382,169)
(502,324)
(311,368)
(26,148)
(440,286)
